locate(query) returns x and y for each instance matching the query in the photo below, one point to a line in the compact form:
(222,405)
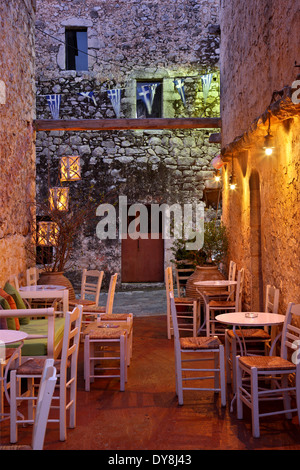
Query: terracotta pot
(202,273)
(57,279)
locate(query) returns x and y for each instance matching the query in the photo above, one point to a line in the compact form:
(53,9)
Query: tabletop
(35,288)
(257,318)
(12,336)
(215,283)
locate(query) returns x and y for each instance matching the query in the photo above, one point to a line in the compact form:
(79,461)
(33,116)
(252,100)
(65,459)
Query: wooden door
(143,259)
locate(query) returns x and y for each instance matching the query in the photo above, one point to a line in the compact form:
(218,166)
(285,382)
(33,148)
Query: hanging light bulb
(269,140)
(217,176)
(232,182)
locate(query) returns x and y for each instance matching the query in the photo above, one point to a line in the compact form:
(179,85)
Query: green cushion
(38,347)
(9,289)
(11,324)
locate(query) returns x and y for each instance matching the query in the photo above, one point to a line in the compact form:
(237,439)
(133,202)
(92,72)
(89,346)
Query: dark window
(76,49)
(149,99)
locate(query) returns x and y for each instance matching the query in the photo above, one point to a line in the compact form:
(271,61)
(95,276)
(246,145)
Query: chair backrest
(290,341)
(91,284)
(13,280)
(32,276)
(69,352)
(182,275)
(111,294)
(272,299)
(174,319)
(169,286)
(231,277)
(239,290)
(45,394)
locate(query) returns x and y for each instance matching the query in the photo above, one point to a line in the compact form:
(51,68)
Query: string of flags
(145,91)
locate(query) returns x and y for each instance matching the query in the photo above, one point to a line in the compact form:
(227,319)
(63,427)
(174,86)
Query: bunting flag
(147,93)
(115,98)
(206,82)
(90,95)
(179,84)
(54,104)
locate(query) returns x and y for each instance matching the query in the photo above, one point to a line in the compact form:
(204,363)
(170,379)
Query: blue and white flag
(206,82)
(90,95)
(115,98)
(54,104)
(147,93)
(179,84)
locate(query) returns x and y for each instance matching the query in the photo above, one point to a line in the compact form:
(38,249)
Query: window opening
(76,49)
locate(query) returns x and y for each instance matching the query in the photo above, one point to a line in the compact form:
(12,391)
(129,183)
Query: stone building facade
(128,42)
(258,51)
(17,156)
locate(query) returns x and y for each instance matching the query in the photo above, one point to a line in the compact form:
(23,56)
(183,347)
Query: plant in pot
(205,261)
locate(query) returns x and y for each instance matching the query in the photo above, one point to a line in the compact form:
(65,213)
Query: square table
(46,292)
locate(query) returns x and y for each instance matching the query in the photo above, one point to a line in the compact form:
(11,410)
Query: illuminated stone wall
(17,157)
(258,50)
(132,40)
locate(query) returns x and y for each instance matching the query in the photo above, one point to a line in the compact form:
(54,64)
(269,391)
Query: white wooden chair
(277,370)
(251,335)
(44,399)
(106,314)
(66,366)
(103,338)
(213,306)
(182,275)
(197,349)
(32,276)
(188,309)
(90,288)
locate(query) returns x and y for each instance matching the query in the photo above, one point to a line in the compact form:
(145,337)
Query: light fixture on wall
(269,140)
(217,176)
(232,181)
(47,233)
(70,168)
(59,198)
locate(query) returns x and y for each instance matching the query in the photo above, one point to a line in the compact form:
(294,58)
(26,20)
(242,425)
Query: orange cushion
(12,305)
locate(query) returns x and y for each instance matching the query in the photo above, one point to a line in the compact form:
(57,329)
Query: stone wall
(262,214)
(132,41)
(17,157)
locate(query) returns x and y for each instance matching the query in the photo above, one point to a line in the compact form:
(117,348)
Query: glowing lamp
(59,199)
(217,176)
(70,168)
(47,233)
(268,144)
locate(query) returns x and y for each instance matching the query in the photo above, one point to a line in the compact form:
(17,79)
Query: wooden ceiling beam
(125,124)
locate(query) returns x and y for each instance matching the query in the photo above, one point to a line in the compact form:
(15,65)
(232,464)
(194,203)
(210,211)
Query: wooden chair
(66,367)
(32,276)
(281,372)
(90,287)
(188,309)
(102,339)
(197,348)
(251,335)
(213,306)
(106,314)
(44,399)
(182,275)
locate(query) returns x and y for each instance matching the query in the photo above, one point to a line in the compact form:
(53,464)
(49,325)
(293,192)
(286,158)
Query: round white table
(46,292)
(216,283)
(9,337)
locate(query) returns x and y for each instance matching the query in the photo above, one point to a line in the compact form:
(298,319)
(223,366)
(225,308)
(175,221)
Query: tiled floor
(147,417)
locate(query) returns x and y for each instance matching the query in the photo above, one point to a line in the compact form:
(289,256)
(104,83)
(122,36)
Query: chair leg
(62,412)
(233,363)
(227,358)
(298,393)
(255,403)
(87,372)
(178,365)
(286,396)
(13,408)
(217,366)
(123,363)
(222,375)
(239,404)
(207,320)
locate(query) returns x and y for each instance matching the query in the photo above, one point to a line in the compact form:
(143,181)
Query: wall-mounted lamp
(70,168)
(269,141)
(217,176)
(59,198)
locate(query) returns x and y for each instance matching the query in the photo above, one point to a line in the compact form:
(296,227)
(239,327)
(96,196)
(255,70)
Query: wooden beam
(125,124)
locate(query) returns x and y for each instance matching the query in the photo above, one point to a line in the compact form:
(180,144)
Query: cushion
(3,322)
(8,303)
(10,290)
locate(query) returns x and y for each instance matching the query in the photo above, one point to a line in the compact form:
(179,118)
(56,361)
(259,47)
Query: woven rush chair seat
(222,303)
(103,331)
(252,333)
(266,362)
(34,366)
(200,342)
(84,302)
(184,300)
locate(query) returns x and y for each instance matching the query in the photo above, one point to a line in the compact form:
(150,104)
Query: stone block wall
(131,41)
(17,156)
(258,51)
